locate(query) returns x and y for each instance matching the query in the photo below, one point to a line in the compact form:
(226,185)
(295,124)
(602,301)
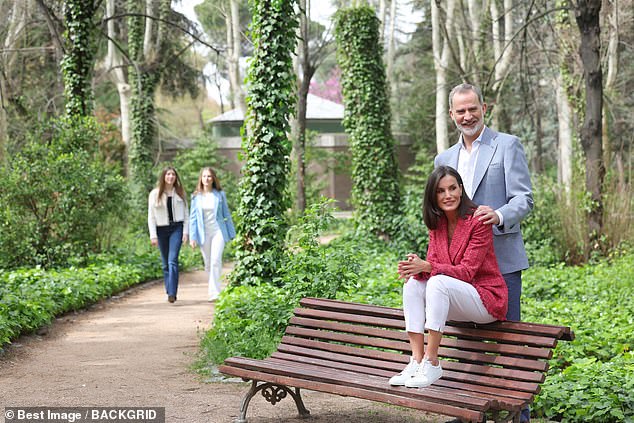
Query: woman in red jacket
(460,279)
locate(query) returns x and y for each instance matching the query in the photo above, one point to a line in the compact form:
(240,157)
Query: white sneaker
(425,375)
(407,373)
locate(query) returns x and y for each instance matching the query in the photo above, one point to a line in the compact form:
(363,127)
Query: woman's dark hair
(431,212)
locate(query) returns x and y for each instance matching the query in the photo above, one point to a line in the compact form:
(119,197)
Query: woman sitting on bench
(460,279)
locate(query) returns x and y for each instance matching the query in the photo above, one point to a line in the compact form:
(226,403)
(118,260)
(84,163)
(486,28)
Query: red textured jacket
(470,258)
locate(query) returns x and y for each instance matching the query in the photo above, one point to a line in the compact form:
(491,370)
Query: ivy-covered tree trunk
(270,103)
(78,61)
(144,80)
(375,192)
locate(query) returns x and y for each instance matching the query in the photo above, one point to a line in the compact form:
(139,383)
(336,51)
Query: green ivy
(375,193)
(261,222)
(78,60)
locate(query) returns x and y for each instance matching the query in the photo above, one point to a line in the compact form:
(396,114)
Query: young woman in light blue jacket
(210,226)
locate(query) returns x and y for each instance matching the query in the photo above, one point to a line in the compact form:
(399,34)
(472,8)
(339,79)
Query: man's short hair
(459,89)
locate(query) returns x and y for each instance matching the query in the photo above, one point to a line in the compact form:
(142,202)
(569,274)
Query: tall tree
(270,103)
(441,30)
(313,47)
(375,191)
(228,20)
(587,15)
(115,64)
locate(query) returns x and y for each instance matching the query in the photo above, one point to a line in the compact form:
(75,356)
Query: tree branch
(177,26)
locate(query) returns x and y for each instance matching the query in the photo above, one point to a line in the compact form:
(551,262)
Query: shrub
(57,200)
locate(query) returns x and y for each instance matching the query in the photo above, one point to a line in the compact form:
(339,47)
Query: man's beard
(470,131)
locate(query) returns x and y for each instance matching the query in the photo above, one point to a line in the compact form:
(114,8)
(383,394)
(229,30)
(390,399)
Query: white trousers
(429,304)
(212,257)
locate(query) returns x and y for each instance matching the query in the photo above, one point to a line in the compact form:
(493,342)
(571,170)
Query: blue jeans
(170,239)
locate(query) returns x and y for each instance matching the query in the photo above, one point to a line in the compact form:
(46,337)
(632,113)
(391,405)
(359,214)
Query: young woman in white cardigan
(167,220)
(210,226)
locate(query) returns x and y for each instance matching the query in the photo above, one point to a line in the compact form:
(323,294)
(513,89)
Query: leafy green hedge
(31,298)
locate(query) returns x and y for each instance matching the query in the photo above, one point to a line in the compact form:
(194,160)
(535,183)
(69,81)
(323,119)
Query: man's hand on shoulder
(487,215)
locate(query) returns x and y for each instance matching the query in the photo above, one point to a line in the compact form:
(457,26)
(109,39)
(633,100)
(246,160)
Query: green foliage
(56,199)
(375,193)
(591,391)
(30,298)
(311,270)
(261,219)
(590,378)
(78,60)
(413,235)
(538,228)
(204,153)
(248,321)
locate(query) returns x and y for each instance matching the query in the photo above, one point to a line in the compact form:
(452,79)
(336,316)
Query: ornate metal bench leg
(245,403)
(272,393)
(301,409)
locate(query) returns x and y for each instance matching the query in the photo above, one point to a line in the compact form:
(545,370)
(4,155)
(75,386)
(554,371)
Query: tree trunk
(441,50)
(78,63)
(502,52)
(234,56)
(114,66)
(564,119)
(587,17)
(611,72)
(391,44)
(305,74)
(382,15)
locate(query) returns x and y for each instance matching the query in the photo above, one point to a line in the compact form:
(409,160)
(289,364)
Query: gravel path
(136,349)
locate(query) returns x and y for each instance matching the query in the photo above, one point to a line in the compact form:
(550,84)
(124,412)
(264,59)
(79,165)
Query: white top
(208,206)
(466,167)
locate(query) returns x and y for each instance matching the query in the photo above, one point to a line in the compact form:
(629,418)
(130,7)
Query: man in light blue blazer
(494,169)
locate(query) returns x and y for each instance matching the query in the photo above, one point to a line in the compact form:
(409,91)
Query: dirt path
(136,350)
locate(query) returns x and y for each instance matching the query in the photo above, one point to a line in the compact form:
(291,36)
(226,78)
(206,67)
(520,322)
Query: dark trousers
(170,239)
(514,284)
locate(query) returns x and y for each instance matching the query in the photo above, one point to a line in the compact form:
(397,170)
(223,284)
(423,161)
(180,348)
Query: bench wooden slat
(506,349)
(457,331)
(389,368)
(499,399)
(321,374)
(459,354)
(398,366)
(461,413)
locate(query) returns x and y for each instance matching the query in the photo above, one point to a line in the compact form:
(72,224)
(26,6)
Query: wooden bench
(353,349)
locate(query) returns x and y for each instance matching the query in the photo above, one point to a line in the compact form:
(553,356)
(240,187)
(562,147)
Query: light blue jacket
(501,181)
(223,218)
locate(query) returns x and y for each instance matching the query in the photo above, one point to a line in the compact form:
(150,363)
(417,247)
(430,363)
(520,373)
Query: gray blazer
(501,181)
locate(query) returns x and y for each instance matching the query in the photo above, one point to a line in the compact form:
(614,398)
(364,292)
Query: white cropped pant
(212,257)
(429,304)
